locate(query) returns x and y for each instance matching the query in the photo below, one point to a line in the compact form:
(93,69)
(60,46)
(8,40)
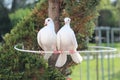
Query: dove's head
(48,21)
(67,20)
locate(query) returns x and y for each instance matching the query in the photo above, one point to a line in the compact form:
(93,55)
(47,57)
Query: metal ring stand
(98,49)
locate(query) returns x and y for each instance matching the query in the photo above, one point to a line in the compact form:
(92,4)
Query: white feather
(60,62)
(66,41)
(46,38)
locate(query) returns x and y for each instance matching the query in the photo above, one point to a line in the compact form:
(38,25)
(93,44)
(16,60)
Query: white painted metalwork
(98,49)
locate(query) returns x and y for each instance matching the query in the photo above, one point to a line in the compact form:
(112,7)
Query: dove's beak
(65,22)
(45,24)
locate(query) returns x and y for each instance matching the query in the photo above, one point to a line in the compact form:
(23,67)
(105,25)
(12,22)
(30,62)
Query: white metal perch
(98,49)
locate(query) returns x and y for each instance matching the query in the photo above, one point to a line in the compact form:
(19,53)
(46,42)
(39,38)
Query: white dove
(66,41)
(46,38)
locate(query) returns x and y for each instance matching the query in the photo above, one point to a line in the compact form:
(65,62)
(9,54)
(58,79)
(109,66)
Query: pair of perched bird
(64,40)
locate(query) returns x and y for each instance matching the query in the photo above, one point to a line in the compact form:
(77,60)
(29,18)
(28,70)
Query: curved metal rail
(98,49)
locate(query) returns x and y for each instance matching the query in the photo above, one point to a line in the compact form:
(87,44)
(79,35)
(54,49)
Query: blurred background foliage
(23,21)
(109,13)
(82,13)
(5,23)
(18,15)
(15,65)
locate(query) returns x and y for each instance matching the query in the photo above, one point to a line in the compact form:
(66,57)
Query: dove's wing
(58,41)
(39,39)
(75,56)
(61,60)
(74,41)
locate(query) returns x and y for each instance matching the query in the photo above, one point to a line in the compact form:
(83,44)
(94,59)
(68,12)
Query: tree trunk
(13,5)
(54,12)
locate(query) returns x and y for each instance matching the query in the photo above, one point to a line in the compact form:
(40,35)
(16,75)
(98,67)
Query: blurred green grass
(80,71)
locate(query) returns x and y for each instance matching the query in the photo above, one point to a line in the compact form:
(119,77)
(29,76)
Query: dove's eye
(48,20)
(68,19)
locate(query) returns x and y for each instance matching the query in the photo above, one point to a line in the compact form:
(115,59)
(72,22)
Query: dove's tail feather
(76,57)
(47,56)
(61,60)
